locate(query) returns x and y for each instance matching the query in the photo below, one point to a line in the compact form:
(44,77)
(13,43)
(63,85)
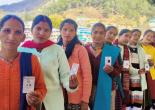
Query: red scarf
(38,46)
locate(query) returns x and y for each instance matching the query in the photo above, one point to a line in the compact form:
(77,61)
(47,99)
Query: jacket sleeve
(64,70)
(86,74)
(40,86)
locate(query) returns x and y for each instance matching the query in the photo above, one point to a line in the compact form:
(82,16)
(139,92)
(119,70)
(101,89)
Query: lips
(41,37)
(10,43)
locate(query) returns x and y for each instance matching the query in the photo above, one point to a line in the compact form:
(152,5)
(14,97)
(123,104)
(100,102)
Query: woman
(121,42)
(95,54)
(150,56)
(137,72)
(77,55)
(11,86)
(111,33)
(53,62)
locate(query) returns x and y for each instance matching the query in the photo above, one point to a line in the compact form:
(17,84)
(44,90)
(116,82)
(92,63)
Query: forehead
(14,24)
(112,30)
(68,25)
(98,28)
(150,33)
(136,32)
(42,24)
(126,34)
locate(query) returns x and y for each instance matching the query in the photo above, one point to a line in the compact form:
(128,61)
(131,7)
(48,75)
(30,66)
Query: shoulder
(26,43)
(56,49)
(80,48)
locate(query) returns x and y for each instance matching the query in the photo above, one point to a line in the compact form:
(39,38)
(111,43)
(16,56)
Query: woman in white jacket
(53,62)
(137,71)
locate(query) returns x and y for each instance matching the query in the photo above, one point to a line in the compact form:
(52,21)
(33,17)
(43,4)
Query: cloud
(5,2)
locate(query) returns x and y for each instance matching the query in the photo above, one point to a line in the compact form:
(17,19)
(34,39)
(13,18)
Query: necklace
(96,51)
(8,60)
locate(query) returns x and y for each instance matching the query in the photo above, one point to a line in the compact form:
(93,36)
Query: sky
(5,2)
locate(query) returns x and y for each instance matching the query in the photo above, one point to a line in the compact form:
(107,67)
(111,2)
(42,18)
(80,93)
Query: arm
(117,68)
(40,87)
(86,74)
(64,70)
(35,97)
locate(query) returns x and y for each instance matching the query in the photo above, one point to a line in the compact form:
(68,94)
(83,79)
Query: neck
(120,43)
(8,55)
(65,43)
(97,45)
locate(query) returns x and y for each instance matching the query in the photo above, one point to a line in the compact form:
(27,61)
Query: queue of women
(116,71)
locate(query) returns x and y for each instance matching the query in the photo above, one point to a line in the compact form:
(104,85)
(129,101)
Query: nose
(11,36)
(67,33)
(42,32)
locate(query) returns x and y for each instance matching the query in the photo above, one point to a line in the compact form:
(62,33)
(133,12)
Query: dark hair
(111,27)
(135,30)
(124,31)
(147,31)
(41,18)
(69,21)
(98,25)
(8,17)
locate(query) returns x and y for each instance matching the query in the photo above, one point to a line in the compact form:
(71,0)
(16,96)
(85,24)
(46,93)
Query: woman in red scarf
(53,62)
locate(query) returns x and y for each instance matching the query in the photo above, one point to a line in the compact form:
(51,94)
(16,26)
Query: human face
(135,37)
(68,32)
(153,38)
(98,34)
(110,35)
(41,32)
(124,39)
(11,35)
(148,37)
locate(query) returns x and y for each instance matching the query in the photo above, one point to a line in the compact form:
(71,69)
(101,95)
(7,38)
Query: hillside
(25,5)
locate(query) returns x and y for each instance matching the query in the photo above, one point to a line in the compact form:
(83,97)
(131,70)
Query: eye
(95,32)
(7,30)
(71,30)
(18,32)
(47,30)
(38,28)
(65,29)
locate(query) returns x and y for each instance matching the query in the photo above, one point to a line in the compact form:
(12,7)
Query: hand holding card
(147,67)
(73,82)
(108,69)
(33,98)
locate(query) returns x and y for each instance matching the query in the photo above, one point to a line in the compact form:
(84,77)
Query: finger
(33,98)
(29,101)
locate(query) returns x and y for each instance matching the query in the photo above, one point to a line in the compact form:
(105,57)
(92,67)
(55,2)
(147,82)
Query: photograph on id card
(28,84)
(108,60)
